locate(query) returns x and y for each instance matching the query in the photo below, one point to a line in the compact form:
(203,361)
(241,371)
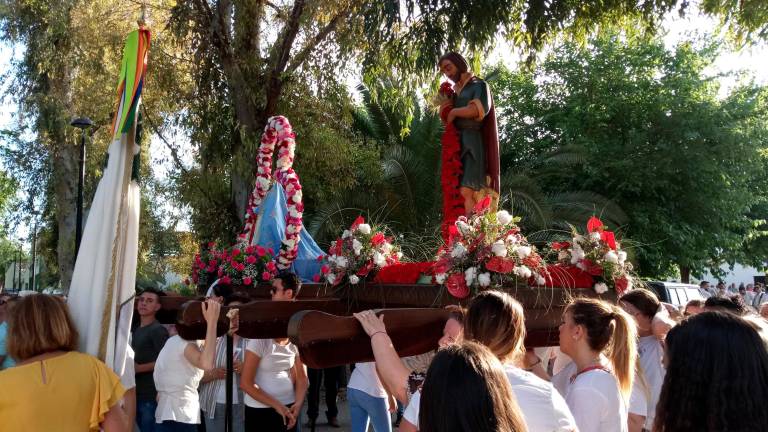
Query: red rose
(483,205)
(592,268)
(500,265)
(609,238)
(271,266)
(621,285)
(226,280)
(266,276)
(561,245)
(247,281)
(325,269)
(251,259)
(594,224)
(316,278)
(235,252)
(260,251)
(457,286)
(378,239)
(320,258)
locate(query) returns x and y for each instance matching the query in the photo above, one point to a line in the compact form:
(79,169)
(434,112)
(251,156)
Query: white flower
(499,248)
(511,239)
(297,196)
(353,279)
(379,259)
(399,255)
(470,274)
(346,234)
(523,272)
(503,217)
(290,242)
(331,278)
(463,227)
(562,255)
(622,257)
(263,182)
(440,278)
(458,251)
(290,229)
(357,246)
(364,228)
(601,288)
(386,248)
(578,238)
(540,280)
(577,254)
(611,257)
(594,236)
(523,251)
(484,279)
(295,214)
(342,262)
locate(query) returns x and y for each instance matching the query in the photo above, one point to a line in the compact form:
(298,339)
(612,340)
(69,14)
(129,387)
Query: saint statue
(474,117)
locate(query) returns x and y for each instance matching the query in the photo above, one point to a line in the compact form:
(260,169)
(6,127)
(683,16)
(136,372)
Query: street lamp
(82,123)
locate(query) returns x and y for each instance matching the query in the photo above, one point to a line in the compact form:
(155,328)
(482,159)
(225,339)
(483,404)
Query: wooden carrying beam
(260,319)
(326,340)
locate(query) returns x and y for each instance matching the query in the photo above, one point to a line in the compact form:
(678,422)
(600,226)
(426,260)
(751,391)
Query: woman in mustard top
(53,387)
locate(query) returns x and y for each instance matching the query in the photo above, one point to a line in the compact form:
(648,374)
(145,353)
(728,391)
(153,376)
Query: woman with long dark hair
(600,338)
(717,377)
(466,390)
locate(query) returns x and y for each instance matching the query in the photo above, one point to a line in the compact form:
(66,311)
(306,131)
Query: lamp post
(82,123)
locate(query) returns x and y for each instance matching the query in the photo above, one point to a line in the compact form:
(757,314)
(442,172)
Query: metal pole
(80,183)
(15,267)
(19,286)
(34,253)
(229,383)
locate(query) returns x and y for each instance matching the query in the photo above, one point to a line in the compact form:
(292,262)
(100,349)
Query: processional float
(319,322)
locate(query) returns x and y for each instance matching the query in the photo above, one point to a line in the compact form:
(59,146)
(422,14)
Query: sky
(753,60)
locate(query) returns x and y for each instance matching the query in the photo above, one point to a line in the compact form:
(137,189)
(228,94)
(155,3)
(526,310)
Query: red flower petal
(594,224)
(457,285)
(609,238)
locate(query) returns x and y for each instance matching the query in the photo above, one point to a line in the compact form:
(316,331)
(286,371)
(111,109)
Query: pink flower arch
(278,133)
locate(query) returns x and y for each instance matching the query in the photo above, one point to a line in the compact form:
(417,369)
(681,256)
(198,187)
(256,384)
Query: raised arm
(206,358)
(391,370)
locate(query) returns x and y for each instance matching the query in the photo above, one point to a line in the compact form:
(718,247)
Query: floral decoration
(205,267)
(278,133)
(450,175)
(598,254)
(361,251)
(486,251)
(247,265)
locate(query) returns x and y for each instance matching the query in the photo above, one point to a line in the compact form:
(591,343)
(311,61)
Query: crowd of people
(630,366)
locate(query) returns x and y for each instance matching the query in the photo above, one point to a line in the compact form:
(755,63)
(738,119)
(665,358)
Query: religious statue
(473,116)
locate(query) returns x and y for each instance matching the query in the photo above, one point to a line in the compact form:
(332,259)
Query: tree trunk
(685,274)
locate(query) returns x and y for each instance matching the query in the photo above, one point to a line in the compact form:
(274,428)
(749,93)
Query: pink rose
(235,252)
(316,278)
(251,259)
(325,269)
(226,280)
(271,266)
(266,276)
(247,281)
(260,251)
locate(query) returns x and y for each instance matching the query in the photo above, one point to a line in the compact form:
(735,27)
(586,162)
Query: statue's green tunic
(473,164)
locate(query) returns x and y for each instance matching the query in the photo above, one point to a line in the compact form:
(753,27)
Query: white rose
(601,288)
(353,279)
(386,248)
(463,227)
(484,279)
(511,239)
(295,214)
(523,272)
(562,255)
(499,248)
(594,236)
(297,196)
(577,254)
(523,251)
(263,182)
(357,246)
(364,228)
(290,229)
(346,234)
(611,257)
(379,259)
(503,217)
(399,255)
(578,238)
(540,280)
(458,251)
(470,274)
(330,277)
(440,278)
(342,262)
(622,257)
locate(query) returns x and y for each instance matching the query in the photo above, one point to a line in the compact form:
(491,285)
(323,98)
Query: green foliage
(686,167)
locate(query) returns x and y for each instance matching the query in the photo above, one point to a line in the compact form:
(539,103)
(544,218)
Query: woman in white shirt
(643,306)
(369,401)
(600,338)
(496,320)
(178,370)
(275,383)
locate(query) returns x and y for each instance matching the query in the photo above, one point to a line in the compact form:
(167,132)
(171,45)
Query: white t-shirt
(638,400)
(274,373)
(365,379)
(594,399)
(176,380)
(543,408)
(651,355)
(411,413)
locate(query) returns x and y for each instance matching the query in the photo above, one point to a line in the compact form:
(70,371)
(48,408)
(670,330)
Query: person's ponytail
(622,350)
